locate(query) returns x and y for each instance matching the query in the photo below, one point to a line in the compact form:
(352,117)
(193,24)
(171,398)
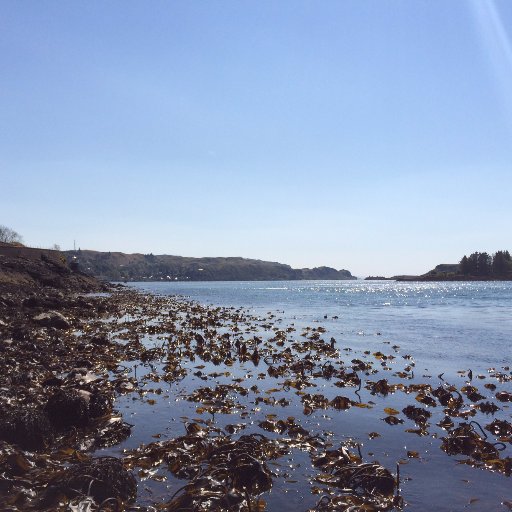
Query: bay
(446,325)
(444,329)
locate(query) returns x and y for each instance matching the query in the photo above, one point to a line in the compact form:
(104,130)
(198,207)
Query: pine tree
(464,265)
(501,263)
(484,264)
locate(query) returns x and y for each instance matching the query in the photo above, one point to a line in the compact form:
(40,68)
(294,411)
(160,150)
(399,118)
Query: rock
(52,380)
(82,302)
(33,302)
(68,408)
(20,332)
(100,339)
(83,364)
(74,408)
(100,404)
(28,428)
(102,478)
(52,319)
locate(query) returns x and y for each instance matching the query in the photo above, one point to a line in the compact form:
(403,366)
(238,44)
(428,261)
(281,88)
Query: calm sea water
(444,327)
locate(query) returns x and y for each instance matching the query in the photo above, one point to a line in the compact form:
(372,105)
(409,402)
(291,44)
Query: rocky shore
(56,401)
(245,397)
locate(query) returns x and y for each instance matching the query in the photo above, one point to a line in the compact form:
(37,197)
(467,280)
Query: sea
(445,328)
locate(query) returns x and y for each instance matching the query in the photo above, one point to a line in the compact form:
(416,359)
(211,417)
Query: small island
(478,266)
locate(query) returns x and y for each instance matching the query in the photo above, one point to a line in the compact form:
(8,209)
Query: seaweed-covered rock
(28,428)
(52,319)
(68,408)
(100,478)
(20,332)
(43,301)
(100,339)
(100,404)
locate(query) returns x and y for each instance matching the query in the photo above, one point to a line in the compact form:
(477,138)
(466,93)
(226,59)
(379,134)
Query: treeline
(483,264)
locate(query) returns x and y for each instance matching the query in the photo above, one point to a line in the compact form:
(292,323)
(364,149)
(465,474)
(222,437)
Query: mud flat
(126,401)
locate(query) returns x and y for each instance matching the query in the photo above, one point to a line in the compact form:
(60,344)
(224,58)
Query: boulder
(68,408)
(100,404)
(103,478)
(52,319)
(28,428)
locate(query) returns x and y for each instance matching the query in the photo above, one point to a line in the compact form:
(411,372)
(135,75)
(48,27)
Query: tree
(484,264)
(465,266)
(473,264)
(9,236)
(501,263)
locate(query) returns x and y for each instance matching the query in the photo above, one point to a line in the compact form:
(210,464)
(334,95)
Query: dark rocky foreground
(56,401)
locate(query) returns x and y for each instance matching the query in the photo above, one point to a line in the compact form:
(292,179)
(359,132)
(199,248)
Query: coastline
(58,375)
(449,278)
(251,391)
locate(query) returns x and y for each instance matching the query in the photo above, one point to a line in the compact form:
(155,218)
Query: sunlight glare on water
(448,325)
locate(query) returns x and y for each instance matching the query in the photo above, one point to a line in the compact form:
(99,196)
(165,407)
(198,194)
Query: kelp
(104,479)
(465,440)
(60,389)
(355,485)
(223,473)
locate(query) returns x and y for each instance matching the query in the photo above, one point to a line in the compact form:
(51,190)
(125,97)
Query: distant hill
(118,266)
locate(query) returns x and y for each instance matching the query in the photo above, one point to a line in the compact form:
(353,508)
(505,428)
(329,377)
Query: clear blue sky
(369,135)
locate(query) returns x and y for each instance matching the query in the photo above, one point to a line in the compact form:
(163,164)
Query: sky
(374,136)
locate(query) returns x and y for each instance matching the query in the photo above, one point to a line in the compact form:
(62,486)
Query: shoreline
(468,279)
(58,399)
(66,377)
